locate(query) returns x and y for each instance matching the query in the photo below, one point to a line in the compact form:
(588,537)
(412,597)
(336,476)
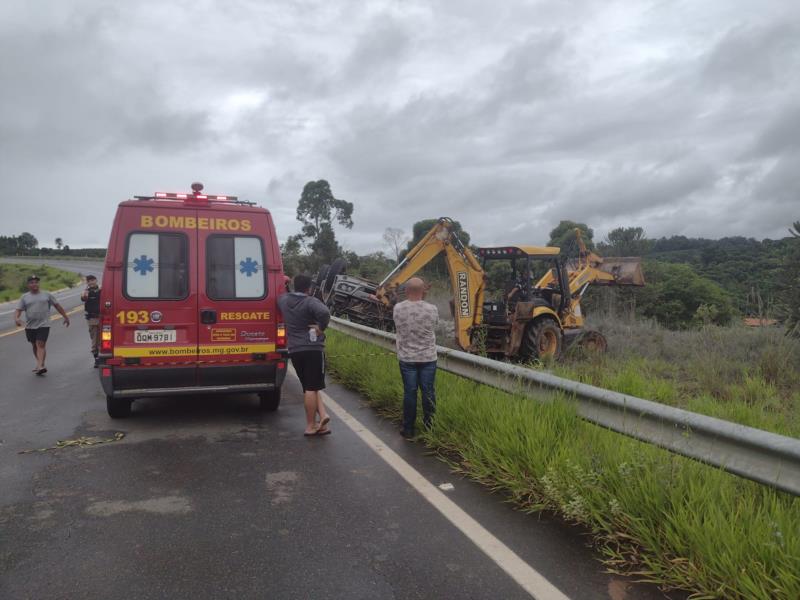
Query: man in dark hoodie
(306,318)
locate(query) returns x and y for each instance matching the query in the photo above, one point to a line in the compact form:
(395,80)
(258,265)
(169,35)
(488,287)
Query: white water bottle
(312,333)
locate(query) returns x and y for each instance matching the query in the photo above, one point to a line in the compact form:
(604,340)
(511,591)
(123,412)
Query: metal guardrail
(761,456)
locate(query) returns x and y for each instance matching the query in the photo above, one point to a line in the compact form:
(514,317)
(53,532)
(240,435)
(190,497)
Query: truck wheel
(318,283)
(543,339)
(337,268)
(118,408)
(270,400)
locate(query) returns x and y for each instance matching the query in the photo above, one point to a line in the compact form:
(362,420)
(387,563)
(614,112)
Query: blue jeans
(418,375)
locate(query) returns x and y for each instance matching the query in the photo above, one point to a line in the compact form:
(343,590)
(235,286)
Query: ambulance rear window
(235,267)
(157,266)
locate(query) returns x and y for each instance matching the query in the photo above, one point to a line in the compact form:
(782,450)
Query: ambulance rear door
(155,307)
(237,325)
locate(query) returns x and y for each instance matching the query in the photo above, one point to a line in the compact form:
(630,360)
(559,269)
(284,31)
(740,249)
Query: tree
(59,243)
(373,266)
(27,243)
(318,206)
(677,297)
(325,248)
(626,241)
(790,276)
(563,236)
(295,256)
(395,239)
(9,244)
(316,210)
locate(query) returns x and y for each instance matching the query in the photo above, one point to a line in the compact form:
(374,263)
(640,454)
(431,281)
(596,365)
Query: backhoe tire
(118,408)
(593,342)
(269,401)
(542,340)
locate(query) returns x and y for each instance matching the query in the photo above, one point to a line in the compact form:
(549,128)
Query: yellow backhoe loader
(534,319)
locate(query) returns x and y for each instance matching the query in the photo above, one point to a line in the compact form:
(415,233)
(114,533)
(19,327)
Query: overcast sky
(682,117)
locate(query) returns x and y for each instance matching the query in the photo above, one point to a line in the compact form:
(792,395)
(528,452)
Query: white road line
(520,571)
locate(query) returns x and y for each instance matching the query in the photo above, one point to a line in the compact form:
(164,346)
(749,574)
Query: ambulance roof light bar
(195,196)
(179,196)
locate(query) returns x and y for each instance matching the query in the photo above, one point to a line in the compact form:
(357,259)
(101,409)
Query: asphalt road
(206,497)
(69,298)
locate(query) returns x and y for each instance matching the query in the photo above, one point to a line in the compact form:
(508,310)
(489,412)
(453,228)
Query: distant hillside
(740,265)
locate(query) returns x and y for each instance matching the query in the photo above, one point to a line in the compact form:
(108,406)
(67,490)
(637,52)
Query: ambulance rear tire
(270,400)
(118,408)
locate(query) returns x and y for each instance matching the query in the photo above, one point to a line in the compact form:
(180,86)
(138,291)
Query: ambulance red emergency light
(189,300)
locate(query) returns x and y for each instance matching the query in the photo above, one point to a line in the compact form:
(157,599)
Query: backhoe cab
(526,319)
(533,318)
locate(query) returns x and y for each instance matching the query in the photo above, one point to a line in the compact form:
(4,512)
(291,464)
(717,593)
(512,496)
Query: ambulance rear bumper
(247,388)
(141,381)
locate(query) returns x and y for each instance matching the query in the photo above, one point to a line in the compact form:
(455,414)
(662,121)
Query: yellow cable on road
(77,442)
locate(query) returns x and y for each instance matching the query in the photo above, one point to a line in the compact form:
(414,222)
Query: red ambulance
(188,303)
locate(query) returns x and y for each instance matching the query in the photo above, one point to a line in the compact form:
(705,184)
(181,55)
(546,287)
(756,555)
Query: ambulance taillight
(280,338)
(105,339)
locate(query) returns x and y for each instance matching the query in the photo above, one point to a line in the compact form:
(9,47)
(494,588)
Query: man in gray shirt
(415,322)
(36,305)
(306,318)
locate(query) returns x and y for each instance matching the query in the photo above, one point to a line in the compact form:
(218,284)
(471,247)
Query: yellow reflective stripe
(205,350)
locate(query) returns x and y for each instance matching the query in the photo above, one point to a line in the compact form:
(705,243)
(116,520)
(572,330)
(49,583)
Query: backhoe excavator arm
(466,276)
(591,269)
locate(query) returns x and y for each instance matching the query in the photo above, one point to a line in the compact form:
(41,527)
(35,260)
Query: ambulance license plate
(156,336)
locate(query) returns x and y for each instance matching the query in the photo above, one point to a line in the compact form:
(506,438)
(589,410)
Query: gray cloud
(680,118)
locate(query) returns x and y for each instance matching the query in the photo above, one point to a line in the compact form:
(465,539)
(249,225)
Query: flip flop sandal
(323,422)
(40,371)
(324,432)
(312,434)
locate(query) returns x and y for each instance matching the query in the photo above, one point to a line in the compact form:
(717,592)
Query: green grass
(13,279)
(660,517)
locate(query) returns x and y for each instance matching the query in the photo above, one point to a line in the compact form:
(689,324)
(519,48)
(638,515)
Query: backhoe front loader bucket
(626,270)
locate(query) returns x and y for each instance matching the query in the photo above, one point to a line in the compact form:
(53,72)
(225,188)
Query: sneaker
(409,435)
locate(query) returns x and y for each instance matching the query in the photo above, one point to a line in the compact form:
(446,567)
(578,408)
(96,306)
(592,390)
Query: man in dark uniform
(91,305)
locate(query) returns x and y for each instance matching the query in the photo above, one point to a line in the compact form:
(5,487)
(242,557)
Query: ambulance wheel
(118,408)
(270,400)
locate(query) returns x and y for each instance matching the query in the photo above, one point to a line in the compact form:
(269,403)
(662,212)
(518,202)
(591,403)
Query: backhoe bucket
(627,270)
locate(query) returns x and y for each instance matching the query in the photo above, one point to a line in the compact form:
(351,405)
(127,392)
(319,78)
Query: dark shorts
(37,335)
(310,368)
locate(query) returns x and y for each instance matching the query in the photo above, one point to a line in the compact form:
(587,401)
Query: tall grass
(747,375)
(661,517)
